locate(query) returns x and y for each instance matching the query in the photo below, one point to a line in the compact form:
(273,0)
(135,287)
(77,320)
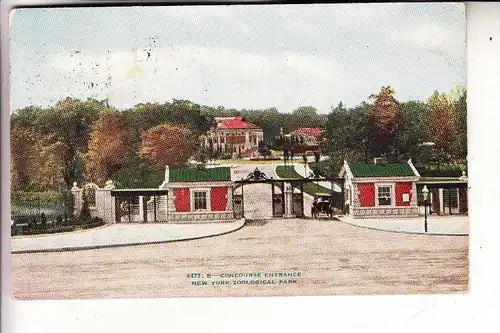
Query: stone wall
(376,212)
(200,217)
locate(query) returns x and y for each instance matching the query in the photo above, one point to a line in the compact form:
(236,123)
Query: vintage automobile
(322,204)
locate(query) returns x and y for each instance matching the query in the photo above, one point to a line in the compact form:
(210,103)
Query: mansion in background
(235,136)
(305,139)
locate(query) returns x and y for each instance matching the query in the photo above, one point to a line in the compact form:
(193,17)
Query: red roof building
(308,139)
(234,136)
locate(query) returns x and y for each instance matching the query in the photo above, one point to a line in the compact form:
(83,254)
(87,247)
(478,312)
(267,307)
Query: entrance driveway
(334,258)
(121,235)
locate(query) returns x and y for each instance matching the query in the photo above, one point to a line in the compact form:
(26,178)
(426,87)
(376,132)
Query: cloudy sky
(258,56)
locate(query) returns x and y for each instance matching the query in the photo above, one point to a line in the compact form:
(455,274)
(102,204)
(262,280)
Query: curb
(95,247)
(397,231)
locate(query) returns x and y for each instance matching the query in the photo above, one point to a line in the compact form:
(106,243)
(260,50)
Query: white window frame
(207,193)
(393,194)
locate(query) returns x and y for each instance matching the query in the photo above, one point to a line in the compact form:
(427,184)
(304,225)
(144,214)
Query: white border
(477,310)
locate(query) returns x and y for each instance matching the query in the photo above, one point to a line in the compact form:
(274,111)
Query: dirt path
(333,258)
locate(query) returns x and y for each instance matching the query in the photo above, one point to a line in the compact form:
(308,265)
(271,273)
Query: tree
(458,98)
(413,133)
(85,212)
(306,116)
(35,161)
(111,145)
(386,119)
(139,172)
(441,124)
(182,113)
(69,125)
(168,145)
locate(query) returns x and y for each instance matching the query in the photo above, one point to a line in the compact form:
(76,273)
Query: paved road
(334,258)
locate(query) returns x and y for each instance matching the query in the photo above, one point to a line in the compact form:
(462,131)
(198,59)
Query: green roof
(200,175)
(381,170)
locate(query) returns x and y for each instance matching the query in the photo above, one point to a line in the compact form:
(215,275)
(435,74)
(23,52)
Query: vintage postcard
(243,150)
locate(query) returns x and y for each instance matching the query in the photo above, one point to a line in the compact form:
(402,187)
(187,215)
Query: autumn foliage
(109,146)
(386,117)
(441,125)
(168,145)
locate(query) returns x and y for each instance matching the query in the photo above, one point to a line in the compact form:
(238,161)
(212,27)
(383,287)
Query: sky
(237,56)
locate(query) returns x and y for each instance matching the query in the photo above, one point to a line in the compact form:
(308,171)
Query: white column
(229,205)
(247,139)
(141,208)
(288,201)
(441,202)
(77,194)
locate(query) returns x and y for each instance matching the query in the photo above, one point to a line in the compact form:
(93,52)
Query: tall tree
(35,162)
(168,145)
(459,107)
(441,123)
(386,117)
(409,140)
(111,145)
(69,124)
(346,134)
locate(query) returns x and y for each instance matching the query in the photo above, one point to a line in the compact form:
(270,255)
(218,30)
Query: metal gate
(238,206)
(278,204)
(298,205)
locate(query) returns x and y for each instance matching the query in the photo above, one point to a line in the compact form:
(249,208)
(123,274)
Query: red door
(218,198)
(366,195)
(182,199)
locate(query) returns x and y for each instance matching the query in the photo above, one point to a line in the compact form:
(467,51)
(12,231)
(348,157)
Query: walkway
(121,235)
(436,225)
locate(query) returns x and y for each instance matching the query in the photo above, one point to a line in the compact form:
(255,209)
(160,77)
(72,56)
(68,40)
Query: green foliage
(58,225)
(347,134)
(398,132)
(385,122)
(309,187)
(85,212)
(139,172)
(47,198)
(50,145)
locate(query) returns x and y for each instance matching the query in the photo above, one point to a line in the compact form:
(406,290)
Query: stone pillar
(247,139)
(141,208)
(162,206)
(105,203)
(229,206)
(288,201)
(462,200)
(77,194)
(441,202)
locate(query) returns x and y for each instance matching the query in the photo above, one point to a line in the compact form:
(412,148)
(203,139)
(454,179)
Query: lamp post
(425,192)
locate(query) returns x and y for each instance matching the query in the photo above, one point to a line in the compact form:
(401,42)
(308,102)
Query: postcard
(239,151)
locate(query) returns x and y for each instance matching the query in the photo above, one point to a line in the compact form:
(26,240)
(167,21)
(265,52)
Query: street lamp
(425,192)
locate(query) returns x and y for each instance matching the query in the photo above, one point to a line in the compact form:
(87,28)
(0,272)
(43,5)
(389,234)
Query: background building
(235,136)
(305,139)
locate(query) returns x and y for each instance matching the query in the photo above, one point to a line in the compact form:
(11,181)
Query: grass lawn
(288,171)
